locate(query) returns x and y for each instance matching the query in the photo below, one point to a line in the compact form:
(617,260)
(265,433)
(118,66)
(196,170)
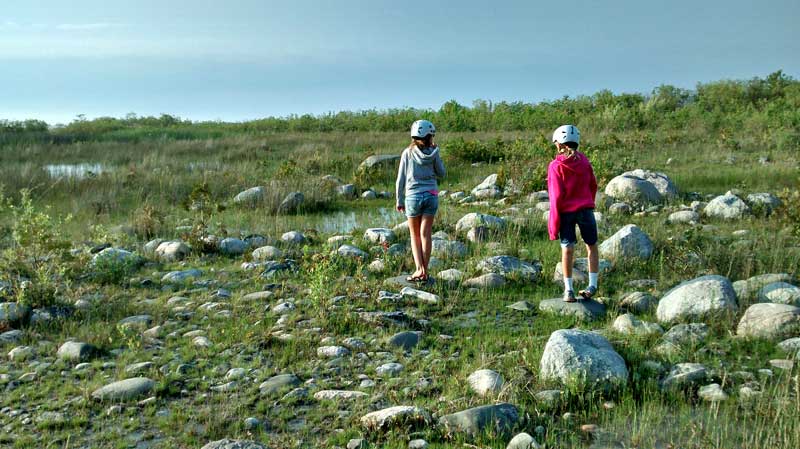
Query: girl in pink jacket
(572,188)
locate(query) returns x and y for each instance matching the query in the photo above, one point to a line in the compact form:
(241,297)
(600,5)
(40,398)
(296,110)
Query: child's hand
(401,209)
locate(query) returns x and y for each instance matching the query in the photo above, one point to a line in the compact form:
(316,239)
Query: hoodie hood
(424,157)
(577,163)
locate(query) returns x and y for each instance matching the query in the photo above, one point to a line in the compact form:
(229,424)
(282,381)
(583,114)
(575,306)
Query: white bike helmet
(422,128)
(567,133)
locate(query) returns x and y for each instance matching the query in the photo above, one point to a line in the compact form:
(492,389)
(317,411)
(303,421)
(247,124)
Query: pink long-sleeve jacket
(571,186)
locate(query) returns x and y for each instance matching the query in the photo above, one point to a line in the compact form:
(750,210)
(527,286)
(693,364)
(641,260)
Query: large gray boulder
(291,203)
(770,321)
(747,289)
(13,314)
(394,417)
(379,160)
(234,444)
(630,242)
(697,299)
(584,359)
(488,189)
(633,189)
(780,293)
(660,181)
(172,251)
(75,351)
(727,207)
(763,203)
(499,418)
(232,246)
(250,196)
(511,268)
(475,220)
(124,389)
(582,310)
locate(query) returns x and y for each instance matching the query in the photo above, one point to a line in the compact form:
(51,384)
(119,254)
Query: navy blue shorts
(584,219)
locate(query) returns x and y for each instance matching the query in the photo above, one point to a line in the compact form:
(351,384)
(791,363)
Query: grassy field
(183,188)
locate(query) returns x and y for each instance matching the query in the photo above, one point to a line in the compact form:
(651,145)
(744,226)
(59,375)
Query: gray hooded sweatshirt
(418,172)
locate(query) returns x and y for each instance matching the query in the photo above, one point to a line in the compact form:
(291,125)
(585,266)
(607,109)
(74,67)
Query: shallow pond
(343,222)
(77,171)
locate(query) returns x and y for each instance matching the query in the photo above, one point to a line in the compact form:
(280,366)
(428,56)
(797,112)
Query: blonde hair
(424,142)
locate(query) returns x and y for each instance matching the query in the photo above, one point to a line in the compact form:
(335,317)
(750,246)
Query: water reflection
(77,171)
(344,222)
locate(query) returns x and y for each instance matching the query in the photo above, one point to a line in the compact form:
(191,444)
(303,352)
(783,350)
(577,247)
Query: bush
(37,261)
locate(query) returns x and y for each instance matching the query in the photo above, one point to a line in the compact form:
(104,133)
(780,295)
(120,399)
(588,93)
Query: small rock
(712,393)
(485,382)
(124,389)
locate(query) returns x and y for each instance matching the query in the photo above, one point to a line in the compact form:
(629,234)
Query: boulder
(697,299)
(499,418)
(582,358)
(406,341)
(488,189)
(291,203)
(486,281)
(511,268)
(401,416)
(660,181)
(638,302)
(352,252)
(124,389)
(747,290)
(380,160)
(628,243)
(172,251)
(634,190)
(630,325)
(485,382)
(293,237)
(234,444)
(232,246)
(523,441)
(780,293)
(683,216)
(267,253)
(13,314)
(279,383)
(770,321)
(181,277)
(683,376)
(251,196)
(379,235)
(763,203)
(582,310)
(726,207)
(75,351)
(475,219)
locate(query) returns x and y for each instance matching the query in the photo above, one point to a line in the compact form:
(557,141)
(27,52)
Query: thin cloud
(87,26)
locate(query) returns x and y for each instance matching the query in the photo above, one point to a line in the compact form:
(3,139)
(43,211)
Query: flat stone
(582,310)
(420,295)
(234,444)
(499,418)
(181,277)
(401,282)
(276,384)
(684,375)
(339,395)
(124,389)
(485,382)
(401,416)
(75,351)
(405,340)
(522,306)
(486,281)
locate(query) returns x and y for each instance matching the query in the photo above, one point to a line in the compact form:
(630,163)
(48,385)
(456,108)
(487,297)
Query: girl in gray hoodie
(418,193)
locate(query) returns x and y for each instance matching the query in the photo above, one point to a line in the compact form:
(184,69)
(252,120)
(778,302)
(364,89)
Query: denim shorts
(584,219)
(424,203)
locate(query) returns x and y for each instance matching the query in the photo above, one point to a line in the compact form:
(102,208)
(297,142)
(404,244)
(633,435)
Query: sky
(246,59)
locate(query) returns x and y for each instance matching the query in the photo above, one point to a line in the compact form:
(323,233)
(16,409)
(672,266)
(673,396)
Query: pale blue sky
(245,59)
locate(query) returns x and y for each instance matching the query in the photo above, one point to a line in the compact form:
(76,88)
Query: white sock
(593,280)
(567,284)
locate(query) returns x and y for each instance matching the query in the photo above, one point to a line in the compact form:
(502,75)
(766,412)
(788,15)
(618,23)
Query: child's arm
(555,191)
(593,183)
(438,167)
(400,184)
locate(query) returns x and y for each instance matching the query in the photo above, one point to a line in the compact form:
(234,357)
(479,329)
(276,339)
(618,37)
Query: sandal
(417,278)
(569,296)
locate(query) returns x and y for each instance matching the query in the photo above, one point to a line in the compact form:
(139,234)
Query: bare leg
(567,257)
(594,258)
(427,241)
(416,244)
